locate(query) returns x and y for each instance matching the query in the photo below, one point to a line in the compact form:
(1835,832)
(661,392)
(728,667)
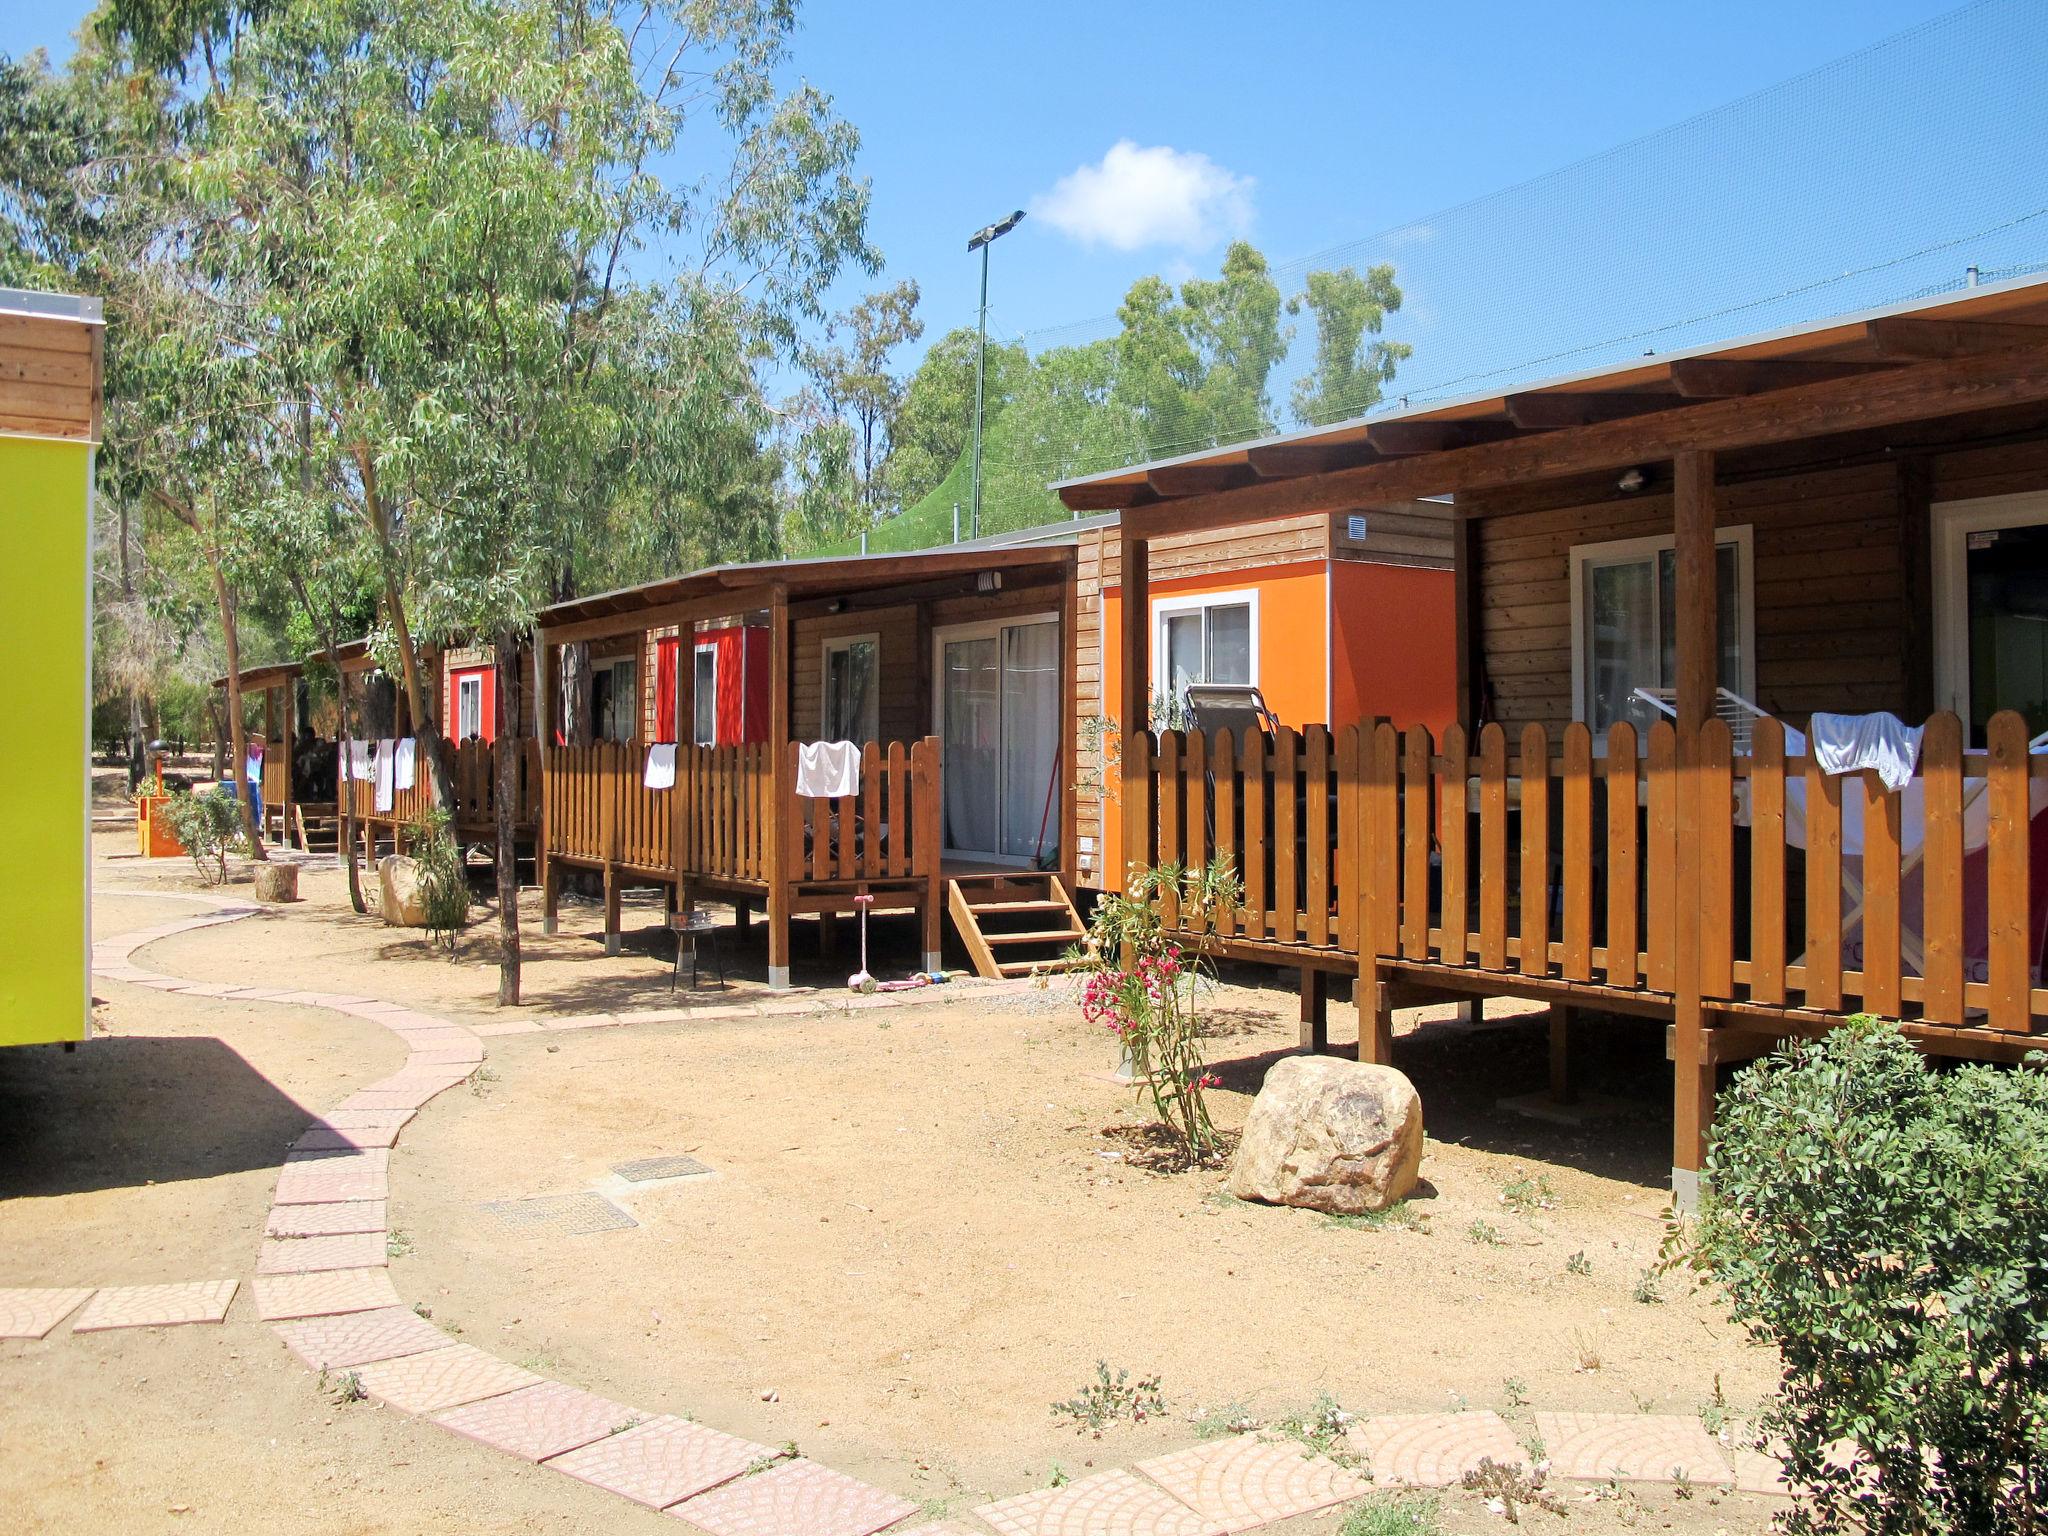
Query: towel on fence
(826,770)
(387,750)
(359,762)
(1880,742)
(402,766)
(660,772)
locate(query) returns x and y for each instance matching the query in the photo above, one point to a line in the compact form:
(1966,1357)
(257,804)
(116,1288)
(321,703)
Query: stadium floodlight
(982,240)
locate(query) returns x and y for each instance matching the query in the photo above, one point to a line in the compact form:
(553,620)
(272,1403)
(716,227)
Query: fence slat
(1941,871)
(1493,848)
(1415,835)
(1286,925)
(1258,848)
(1624,868)
(2006,870)
(1578,852)
(1660,858)
(1317,845)
(1881,811)
(1383,813)
(1823,888)
(1716,914)
(1454,822)
(1347,873)
(1534,906)
(1194,748)
(1228,840)
(1169,823)
(1767,862)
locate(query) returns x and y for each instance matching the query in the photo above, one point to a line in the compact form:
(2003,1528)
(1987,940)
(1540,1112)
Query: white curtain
(972,723)
(1031,740)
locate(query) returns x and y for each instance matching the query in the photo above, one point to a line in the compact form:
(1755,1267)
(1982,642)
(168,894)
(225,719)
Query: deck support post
(780,786)
(544,871)
(550,896)
(611,908)
(1315,1010)
(1375,1015)
(1561,1089)
(1698,661)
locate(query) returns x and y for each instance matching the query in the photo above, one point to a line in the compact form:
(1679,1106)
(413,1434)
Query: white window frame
(1950,525)
(1164,608)
(613,664)
(1630,551)
(703,648)
(465,685)
(830,646)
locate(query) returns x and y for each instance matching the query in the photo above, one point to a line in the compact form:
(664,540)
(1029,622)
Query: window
(704,697)
(615,699)
(1204,640)
(1624,626)
(852,709)
(469,708)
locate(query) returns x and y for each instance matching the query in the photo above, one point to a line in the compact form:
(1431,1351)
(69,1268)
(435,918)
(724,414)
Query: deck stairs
(1014,923)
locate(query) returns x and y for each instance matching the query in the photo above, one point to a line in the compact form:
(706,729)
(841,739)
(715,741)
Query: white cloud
(1137,196)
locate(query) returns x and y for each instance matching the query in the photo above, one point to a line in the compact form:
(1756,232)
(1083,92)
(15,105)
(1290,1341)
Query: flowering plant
(1145,987)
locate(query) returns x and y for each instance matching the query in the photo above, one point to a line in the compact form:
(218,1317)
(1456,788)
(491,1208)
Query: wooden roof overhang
(1983,354)
(258,679)
(52,368)
(854,580)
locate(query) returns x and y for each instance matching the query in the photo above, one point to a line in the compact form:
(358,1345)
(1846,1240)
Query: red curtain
(665,689)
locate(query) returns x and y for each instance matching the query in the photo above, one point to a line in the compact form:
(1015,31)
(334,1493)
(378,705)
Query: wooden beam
(1724,378)
(1106,495)
(1134,708)
(1391,438)
(1923,392)
(1277,461)
(1197,479)
(1905,339)
(779,852)
(1698,601)
(1547,411)
(1467,607)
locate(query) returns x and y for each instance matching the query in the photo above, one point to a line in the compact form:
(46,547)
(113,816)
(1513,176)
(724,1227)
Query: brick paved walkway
(320,1280)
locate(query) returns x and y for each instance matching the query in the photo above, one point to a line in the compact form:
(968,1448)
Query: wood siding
(49,377)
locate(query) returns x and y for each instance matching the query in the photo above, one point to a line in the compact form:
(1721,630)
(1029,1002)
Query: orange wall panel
(1393,644)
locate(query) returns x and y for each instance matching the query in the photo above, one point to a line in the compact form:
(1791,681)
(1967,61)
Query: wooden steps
(988,909)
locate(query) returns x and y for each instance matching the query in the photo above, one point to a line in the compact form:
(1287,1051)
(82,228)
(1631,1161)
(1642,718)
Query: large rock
(1336,1136)
(398,891)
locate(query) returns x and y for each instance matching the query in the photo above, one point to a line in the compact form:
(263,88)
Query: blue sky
(1302,125)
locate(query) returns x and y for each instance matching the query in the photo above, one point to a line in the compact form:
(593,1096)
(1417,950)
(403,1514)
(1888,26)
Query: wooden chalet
(293,807)
(1662,570)
(949,668)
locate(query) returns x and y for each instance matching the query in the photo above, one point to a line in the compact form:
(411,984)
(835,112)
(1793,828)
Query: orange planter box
(153,828)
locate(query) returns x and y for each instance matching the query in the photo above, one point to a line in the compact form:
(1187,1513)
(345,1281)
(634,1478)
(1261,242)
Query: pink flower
(1208,1080)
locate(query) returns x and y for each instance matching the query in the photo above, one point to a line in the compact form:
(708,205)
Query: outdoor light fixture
(983,238)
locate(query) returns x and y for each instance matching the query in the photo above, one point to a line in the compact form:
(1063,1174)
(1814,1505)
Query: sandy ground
(922,1228)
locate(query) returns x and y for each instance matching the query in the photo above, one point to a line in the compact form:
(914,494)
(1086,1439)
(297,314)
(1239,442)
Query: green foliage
(1353,367)
(1404,1514)
(1110,1400)
(209,825)
(1145,984)
(1525,1194)
(1883,1224)
(1323,1428)
(443,882)
(1486,1234)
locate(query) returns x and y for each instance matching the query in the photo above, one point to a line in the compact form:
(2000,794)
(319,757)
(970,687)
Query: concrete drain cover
(559,1215)
(642,1170)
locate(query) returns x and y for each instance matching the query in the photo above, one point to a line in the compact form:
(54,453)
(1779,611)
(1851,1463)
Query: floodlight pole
(982,240)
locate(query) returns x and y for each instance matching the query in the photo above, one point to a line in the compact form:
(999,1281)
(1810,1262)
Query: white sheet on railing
(1880,743)
(660,771)
(387,751)
(827,770)
(403,767)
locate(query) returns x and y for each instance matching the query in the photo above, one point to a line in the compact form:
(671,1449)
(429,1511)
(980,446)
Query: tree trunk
(426,728)
(137,727)
(237,737)
(577,726)
(220,734)
(344,788)
(505,766)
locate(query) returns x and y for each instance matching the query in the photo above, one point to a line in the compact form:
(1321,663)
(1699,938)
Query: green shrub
(1884,1224)
(210,828)
(443,882)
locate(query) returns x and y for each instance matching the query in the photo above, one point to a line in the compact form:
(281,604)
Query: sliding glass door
(998,719)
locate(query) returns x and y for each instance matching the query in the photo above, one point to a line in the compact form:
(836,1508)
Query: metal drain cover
(558,1215)
(642,1170)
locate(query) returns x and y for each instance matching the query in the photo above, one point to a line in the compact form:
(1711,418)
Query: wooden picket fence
(472,771)
(889,830)
(1568,868)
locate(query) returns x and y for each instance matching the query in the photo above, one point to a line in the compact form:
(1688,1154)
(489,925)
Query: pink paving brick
(376,1159)
(662,1461)
(308,1255)
(507,1027)
(323,1293)
(796,1497)
(1631,1447)
(535,1423)
(325,1219)
(1107,1504)
(30,1313)
(1433,1450)
(362,1119)
(1757,1473)
(374,1102)
(356,1338)
(326,1188)
(156,1306)
(449,1056)
(334,1138)
(1245,1481)
(441,1378)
